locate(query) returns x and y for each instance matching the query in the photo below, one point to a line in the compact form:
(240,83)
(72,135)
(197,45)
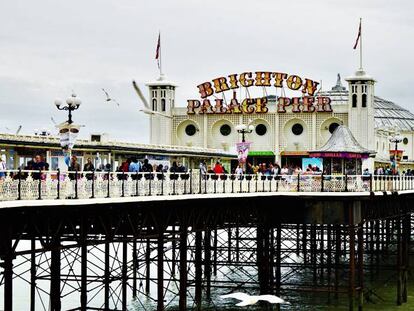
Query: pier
(178,241)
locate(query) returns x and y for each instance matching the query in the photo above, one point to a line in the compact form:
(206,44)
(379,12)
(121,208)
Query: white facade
(355,106)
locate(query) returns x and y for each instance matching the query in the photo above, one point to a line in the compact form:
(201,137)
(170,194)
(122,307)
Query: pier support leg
(160,273)
(215,253)
(134,268)
(351,281)
(313,253)
(55,303)
(183,270)
(148,267)
(337,258)
(173,252)
(207,262)
(278,272)
(198,268)
(329,260)
(106,276)
(84,262)
(8,273)
(406,253)
(33,275)
(360,234)
(124,274)
(399,261)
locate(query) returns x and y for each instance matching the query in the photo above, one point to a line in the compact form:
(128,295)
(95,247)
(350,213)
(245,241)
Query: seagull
(247,300)
(108,99)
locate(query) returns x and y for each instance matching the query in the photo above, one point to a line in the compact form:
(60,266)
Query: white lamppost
(72,103)
(244,129)
(67,130)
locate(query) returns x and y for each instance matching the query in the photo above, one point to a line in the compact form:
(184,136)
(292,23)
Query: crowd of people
(147,170)
(262,169)
(388,170)
(274,169)
(138,169)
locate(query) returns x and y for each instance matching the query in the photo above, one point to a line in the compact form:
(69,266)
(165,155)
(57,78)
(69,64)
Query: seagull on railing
(247,300)
(108,98)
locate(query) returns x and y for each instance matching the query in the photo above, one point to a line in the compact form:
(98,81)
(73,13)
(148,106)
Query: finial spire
(338,86)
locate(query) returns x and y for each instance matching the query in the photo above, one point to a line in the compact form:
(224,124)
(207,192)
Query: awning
(261,154)
(294,153)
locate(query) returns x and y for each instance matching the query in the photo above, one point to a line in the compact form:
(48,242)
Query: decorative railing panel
(32,185)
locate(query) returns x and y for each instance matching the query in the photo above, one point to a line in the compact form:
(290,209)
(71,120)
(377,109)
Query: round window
(333,127)
(261,129)
(225,130)
(297,129)
(190,129)
(405,140)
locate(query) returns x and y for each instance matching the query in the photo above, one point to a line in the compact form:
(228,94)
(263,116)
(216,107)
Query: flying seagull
(247,300)
(108,98)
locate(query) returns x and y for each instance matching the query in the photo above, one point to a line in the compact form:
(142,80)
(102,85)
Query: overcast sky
(49,48)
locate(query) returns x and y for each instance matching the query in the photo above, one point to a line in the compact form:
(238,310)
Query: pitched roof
(342,140)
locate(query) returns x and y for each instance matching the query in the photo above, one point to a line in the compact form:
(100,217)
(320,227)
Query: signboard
(344,155)
(307,102)
(243,151)
(68,134)
(398,154)
(313,162)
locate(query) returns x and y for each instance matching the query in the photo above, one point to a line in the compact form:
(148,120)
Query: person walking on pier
(88,167)
(2,168)
(239,171)
(203,169)
(74,167)
(39,165)
(134,167)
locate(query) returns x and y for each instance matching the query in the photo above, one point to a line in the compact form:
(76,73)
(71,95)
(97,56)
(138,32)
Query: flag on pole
(158,51)
(359,36)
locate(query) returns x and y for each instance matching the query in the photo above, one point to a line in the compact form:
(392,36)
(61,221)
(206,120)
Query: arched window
(333,127)
(154,105)
(297,129)
(364,100)
(190,130)
(354,100)
(261,129)
(163,104)
(225,130)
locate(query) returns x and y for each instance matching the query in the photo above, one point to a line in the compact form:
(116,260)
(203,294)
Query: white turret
(161,104)
(361,111)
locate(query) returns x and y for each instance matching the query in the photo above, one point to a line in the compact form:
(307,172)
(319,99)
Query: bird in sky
(108,98)
(247,300)
(53,120)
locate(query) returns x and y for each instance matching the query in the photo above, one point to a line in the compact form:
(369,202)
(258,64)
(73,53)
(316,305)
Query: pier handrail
(55,184)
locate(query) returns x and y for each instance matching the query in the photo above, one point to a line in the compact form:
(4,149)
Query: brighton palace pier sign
(305,103)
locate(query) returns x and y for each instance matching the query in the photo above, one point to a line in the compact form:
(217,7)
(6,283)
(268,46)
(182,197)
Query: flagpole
(360,45)
(160,55)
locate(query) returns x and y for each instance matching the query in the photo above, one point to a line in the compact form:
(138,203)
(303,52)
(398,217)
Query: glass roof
(386,113)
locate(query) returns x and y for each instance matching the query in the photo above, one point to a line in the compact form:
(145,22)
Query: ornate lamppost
(72,104)
(244,129)
(243,147)
(67,130)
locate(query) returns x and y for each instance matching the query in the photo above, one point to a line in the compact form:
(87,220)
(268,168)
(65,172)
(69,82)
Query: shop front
(342,154)
(259,157)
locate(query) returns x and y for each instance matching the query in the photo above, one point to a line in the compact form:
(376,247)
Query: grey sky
(48,48)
